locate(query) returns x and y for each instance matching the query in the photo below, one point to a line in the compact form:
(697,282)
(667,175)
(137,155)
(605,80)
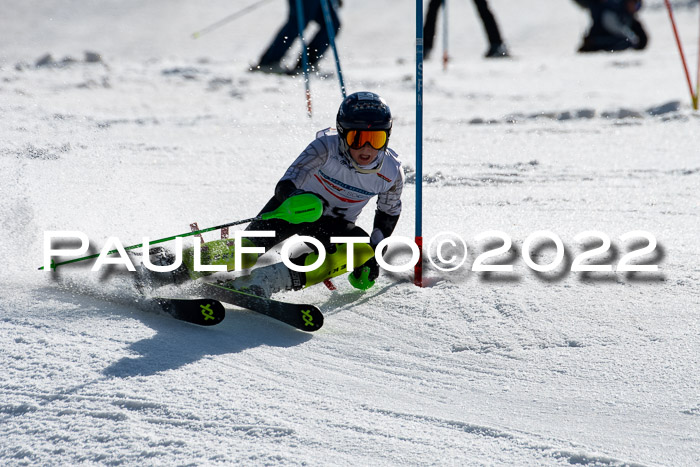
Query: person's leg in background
(496,46)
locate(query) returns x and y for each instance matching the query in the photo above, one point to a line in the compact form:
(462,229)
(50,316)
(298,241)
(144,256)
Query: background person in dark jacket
(496,46)
(272,60)
(614,26)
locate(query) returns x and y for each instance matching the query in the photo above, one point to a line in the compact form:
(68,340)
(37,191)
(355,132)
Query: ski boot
(497,51)
(266,280)
(219,253)
(149,280)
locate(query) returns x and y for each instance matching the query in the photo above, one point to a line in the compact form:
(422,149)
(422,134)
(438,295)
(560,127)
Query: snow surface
(521,368)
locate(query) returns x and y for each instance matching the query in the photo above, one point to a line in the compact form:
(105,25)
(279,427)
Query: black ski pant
(490,26)
(290,31)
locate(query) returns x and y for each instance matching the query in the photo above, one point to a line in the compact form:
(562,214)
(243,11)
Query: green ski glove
(363,277)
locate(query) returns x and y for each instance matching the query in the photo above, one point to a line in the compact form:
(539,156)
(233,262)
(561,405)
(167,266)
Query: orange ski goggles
(358,138)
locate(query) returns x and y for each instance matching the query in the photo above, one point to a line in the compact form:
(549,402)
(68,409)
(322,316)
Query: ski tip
(203,311)
(312,319)
(215,312)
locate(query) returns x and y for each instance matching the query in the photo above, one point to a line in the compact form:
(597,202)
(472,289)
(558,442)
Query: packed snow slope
(497,368)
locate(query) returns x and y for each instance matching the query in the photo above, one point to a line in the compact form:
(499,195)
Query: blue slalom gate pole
(331,37)
(304,55)
(418,270)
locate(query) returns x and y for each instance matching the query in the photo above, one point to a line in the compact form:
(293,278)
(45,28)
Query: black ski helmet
(362,111)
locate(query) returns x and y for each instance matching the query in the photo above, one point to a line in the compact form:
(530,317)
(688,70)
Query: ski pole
(331,37)
(693,96)
(445,38)
(305,207)
(228,19)
(697,76)
(304,55)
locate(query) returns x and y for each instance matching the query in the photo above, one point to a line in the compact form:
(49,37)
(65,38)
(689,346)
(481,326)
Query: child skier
(344,169)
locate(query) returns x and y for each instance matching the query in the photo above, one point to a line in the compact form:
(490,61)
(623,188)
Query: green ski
(302,316)
(201,311)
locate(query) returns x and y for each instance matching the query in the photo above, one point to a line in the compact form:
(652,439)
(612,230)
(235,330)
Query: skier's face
(365,155)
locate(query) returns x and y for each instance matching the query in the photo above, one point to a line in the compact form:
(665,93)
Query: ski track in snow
(522,368)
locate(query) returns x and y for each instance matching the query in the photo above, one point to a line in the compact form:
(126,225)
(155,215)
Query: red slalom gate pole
(418,269)
(693,95)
